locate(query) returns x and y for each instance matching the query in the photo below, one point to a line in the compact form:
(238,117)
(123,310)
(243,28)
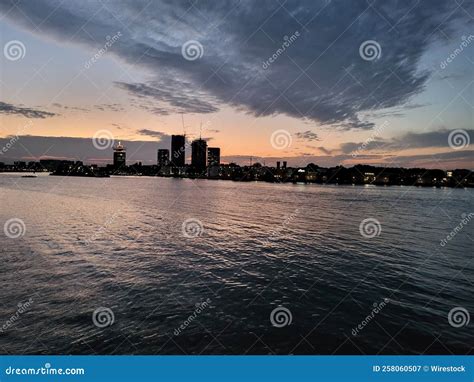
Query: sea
(144,265)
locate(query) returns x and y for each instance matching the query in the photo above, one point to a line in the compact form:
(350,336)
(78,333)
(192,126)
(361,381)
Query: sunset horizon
(241,190)
(400,104)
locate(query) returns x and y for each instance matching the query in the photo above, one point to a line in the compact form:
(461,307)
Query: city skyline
(237,178)
(330,97)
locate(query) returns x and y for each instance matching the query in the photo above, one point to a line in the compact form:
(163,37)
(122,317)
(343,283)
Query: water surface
(118,243)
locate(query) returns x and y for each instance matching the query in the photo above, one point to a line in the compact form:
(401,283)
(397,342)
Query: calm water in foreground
(118,243)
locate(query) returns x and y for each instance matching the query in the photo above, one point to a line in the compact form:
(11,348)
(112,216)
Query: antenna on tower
(200,130)
(182,121)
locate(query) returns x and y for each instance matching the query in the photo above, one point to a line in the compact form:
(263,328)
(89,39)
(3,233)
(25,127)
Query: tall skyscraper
(178,149)
(213,156)
(198,155)
(163,157)
(120,157)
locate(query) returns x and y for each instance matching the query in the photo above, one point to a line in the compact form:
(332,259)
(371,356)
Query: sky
(379,82)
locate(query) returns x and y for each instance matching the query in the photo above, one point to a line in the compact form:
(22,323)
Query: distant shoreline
(293,181)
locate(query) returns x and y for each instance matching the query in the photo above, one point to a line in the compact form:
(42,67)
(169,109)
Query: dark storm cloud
(319,76)
(6,108)
(438,138)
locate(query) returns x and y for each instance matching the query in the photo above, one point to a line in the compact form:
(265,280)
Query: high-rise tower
(163,157)
(213,156)
(198,155)
(120,157)
(178,150)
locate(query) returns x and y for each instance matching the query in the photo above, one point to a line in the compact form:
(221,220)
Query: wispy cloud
(151,133)
(439,138)
(7,108)
(307,135)
(170,97)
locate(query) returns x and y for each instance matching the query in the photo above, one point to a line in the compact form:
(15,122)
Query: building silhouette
(198,154)
(178,150)
(163,157)
(213,156)
(120,157)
